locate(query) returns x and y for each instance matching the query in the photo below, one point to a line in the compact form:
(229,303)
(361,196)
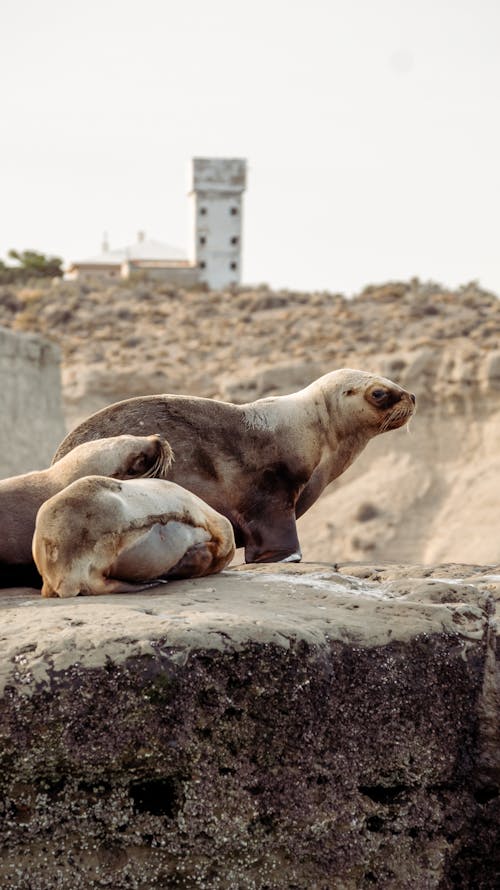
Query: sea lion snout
(396,407)
(399,395)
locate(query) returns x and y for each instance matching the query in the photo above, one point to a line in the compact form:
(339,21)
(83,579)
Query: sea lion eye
(379,394)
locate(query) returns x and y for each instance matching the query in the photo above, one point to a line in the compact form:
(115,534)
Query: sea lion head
(120,457)
(392,404)
(367,402)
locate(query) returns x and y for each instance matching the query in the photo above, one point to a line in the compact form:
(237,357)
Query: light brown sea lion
(121,457)
(265,463)
(100,536)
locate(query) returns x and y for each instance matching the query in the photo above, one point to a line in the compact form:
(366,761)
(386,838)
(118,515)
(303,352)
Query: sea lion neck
(341,391)
(289,413)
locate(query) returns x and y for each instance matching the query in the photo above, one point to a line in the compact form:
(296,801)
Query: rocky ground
(431,495)
(293,726)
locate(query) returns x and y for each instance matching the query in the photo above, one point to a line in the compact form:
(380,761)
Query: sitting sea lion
(99,535)
(265,463)
(121,457)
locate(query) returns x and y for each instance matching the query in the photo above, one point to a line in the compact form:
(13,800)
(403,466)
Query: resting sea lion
(265,463)
(122,457)
(99,535)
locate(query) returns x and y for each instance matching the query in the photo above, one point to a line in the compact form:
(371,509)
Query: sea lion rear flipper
(272,541)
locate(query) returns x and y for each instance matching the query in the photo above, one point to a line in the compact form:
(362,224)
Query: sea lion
(262,464)
(100,536)
(121,457)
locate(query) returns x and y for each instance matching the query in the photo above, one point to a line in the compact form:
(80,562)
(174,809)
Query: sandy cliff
(430,494)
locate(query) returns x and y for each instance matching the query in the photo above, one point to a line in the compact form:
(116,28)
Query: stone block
(275,728)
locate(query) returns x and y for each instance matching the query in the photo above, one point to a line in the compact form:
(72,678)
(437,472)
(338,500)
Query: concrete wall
(30,402)
(179,276)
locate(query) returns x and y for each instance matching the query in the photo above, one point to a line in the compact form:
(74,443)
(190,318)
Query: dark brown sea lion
(121,457)
(265,463)
(102,536)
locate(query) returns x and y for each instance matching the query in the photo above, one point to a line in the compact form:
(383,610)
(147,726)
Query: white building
(216,189)
(145,256)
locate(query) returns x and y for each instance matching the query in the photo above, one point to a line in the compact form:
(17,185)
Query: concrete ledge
(273,727)
(30,402)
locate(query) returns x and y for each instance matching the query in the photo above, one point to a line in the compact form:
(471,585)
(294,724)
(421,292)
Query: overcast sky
(371,129)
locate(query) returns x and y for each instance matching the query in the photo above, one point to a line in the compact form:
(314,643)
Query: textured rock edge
(312,766)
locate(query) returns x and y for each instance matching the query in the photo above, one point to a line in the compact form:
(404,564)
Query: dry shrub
(27,320)
(386,293)
(261,302)
(29,295)
(9,300)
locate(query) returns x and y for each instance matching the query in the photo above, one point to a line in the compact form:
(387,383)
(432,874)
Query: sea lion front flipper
(156,550)
(315,485)
(272,541)
(202,559)
(116,585)
(100,587)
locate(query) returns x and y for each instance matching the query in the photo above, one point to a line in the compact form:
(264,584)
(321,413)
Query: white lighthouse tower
(217,188)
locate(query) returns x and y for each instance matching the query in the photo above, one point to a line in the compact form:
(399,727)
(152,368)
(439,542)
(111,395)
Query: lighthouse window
(233,211)
(202,264)
(233,265)
(203,240)
(203,211)
(234,239)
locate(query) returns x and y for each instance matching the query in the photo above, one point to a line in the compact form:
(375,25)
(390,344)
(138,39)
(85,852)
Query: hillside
(430,495)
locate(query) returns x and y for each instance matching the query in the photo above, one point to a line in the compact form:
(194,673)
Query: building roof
(144,249)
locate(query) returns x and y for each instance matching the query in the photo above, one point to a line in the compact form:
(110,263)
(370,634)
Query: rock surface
(289,727)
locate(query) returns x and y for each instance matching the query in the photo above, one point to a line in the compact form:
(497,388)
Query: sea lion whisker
(387,421)
(399,413)
(162,464)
